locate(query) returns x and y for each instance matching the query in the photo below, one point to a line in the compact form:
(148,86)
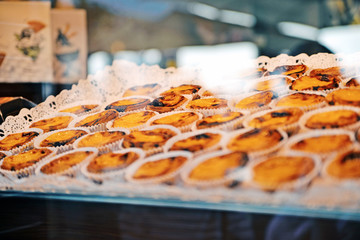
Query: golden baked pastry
(275,171)
(294,71)
(109,162)
(197,142)
(300,100)
(80,109)
(177,119)
(207,93)
(218,167)
(313,83)
(271,84)
(148,139)
(62,138)
(51,124)
(166,103)
(100,139)
(184,89)
(15,140)
(256,100)
(328,72)
(131,120)
(276,118)
(207,103)
(345,165)
(2,155)
(141,90)
(332,119)
(24,159)
(129,104)
(98,118)
(255,140)
(347,96)
(218,119)
(65,162)
(158,168)
(354,82)
(322,144)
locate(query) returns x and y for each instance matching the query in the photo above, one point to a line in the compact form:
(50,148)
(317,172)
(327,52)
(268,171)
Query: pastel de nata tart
(148,139)
(275,118)
(97,118)
(100,139)
(54,123)
(25,159)
(167,103)
(346,96)
(294,71)
(158,168)
(184,89)
(176,119)
(218,120)
(345,165)
(255,140)
(217,166)
(320,144)
(257,100)
(132,120)
(16,140)
(314,84)
(276,171)
(80,109)
(128,104)
(197,141)
(331,117)
(65,162)
(300,99)
(328,72)
(271,84)
(353,82)
(207,103)
(142,90)
(112,161)
(61,138)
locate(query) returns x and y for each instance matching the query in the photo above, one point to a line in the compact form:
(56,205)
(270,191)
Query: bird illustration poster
(25,42)
(69,38)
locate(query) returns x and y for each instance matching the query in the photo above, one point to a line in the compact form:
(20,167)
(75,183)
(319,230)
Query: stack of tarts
(294,125)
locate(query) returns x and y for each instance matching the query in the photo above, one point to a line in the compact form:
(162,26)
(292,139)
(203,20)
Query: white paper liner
(239,174)
(318,133)
(274,102)
(226,126)
(303,120)
(294,185)
(19,175)
(210,111)
(85,102)
(100,177)
(115,99)
(94,128)
(158,149)
(110,127)
(181,128)
(27,145)
(59,149)
(57,115)
(233,101)
(71,172)
(291,128)
(331,159)
(130,171)
(259,153)
(183,136)
(106,147)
